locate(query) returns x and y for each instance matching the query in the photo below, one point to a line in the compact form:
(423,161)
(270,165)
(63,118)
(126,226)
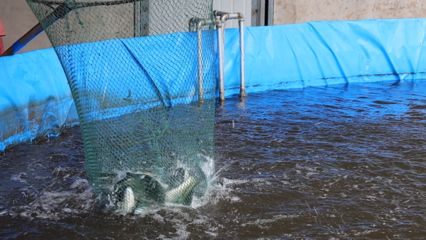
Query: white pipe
(221,43)
(223,17)
(196,24)
(243,61)
(200,65)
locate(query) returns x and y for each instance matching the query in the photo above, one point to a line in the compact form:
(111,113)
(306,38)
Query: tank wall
(297,11)
(277,57)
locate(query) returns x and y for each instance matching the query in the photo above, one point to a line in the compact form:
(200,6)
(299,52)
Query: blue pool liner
(35,99)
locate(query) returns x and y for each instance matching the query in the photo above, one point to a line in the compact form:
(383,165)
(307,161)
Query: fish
(183,193)
(128,202)
(138,190)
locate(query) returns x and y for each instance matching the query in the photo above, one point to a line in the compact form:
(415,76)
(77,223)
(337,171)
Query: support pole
(197,24)
(222,18)
(200,65)
(243,60)
(220,40)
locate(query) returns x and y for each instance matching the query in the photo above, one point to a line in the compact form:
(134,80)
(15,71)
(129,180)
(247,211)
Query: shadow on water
(319,162)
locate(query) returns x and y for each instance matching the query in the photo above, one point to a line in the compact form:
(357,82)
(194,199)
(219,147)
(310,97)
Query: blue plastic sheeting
(326,53)
(34,97)
(145,72)
(278,57)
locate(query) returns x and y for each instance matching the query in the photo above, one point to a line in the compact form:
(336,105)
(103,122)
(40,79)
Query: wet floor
(335,162)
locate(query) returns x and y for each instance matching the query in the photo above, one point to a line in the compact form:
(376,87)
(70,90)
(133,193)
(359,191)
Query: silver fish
(141,190)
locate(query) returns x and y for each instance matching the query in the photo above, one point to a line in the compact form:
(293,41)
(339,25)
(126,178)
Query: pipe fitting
(220,19)
(224,16)
(197,23)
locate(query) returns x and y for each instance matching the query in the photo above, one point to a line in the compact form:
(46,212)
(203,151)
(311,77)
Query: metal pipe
(220,39)
(200,65)
(24,40)
(58,13)
(223,17)
(243,61)
(197,24)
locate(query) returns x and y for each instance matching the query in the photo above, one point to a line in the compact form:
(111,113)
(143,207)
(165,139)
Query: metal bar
(242,61)
(271,12)
(227,16)
(58,13)
(61,11)
(223,18)
(200,65)
(24,40)
(262,13)
(82,4)
(197,24)
(220,39)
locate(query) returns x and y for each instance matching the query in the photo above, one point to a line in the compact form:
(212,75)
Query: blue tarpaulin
(35,98)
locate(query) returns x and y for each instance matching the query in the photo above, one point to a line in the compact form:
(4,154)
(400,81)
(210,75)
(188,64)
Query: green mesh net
(132,69)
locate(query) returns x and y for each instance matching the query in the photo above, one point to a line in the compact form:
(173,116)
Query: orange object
(2,34)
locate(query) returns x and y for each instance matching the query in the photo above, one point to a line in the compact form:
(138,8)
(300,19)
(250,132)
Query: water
(335,162)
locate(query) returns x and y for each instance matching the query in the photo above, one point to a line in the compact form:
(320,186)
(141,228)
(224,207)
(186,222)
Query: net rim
(83,3)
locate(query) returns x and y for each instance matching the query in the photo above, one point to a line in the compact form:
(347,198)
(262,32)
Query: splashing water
(329,162)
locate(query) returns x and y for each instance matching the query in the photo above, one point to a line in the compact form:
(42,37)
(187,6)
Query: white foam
(181,232)
(55,204)
(262,222)
(20,177)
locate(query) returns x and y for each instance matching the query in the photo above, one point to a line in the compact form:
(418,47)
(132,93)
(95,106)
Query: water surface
(340,161)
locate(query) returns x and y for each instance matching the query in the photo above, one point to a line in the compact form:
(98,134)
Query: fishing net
(132,69)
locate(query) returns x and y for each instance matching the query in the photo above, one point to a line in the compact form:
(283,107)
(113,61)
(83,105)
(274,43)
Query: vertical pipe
(271,12)
(242,61)
(200,64)
(220,39)
(262,14)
